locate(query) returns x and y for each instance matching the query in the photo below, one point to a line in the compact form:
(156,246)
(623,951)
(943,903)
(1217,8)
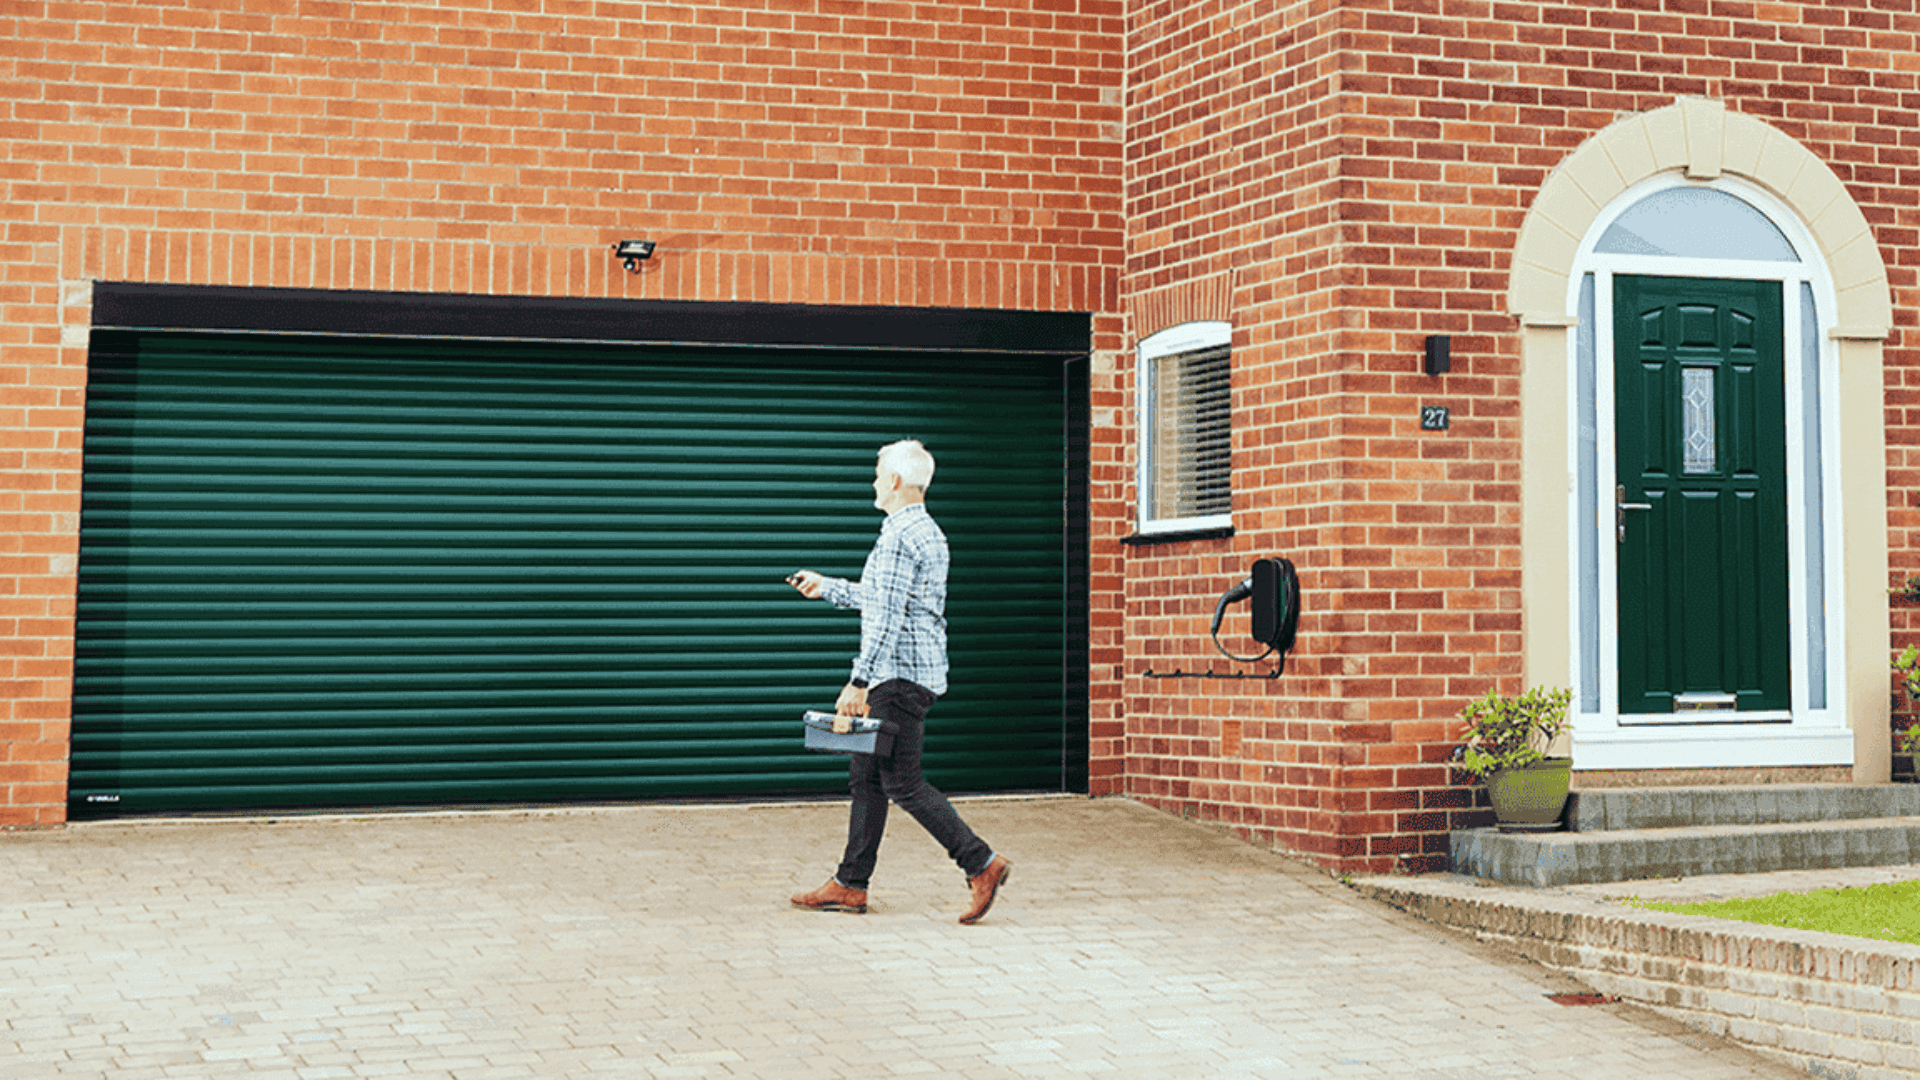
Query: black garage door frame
(1041,338)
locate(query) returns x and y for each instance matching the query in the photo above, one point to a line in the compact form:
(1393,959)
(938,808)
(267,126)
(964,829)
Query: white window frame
(1173,341)
(1803,734)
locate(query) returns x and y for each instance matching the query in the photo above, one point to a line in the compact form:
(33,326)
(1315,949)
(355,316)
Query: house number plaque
(1434,417)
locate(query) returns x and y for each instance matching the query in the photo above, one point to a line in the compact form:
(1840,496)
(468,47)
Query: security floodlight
(632,252)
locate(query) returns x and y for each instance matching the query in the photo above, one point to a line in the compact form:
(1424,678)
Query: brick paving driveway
(657,942)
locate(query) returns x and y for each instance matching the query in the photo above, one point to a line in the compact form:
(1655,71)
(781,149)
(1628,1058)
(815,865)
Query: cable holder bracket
(1223,675)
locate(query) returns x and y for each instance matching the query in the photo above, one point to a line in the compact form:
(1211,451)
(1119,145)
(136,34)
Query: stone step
(1544,860)
(1607,809)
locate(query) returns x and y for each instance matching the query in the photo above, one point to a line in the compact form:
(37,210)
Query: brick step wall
(1835,1006)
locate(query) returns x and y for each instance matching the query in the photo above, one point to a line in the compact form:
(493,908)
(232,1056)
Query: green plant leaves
(1509,731)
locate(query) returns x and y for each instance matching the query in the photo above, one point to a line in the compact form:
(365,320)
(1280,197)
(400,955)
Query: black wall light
(632,252)
(1439,358)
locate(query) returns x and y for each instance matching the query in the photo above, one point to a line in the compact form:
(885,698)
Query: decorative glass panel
(1696,420)
(1696,222)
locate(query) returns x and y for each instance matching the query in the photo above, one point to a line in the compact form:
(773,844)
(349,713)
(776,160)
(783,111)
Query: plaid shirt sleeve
(843,594)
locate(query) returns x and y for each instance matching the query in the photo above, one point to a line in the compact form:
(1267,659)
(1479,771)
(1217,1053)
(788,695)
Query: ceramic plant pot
(1531,798)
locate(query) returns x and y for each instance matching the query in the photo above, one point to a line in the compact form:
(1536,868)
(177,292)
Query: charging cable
(1230,597)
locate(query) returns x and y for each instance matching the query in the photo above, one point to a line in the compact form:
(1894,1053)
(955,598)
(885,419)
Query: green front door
(1701,531)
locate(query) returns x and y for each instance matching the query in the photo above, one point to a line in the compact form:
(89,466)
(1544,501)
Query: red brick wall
(952,154)
(1343,178)
(1364,168)
(1234,173)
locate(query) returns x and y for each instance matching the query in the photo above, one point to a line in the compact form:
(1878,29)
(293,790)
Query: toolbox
(820,734)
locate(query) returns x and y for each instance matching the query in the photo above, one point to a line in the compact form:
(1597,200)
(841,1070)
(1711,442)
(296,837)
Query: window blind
(1192,439)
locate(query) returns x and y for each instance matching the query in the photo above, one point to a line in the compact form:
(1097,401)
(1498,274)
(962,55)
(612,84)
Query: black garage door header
(132,306)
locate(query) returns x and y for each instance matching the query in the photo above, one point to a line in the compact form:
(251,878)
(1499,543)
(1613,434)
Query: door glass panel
(1696,424)
(1814,509)
(1586,397)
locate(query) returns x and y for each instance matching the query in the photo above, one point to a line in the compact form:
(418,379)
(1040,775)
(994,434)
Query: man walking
(900,670)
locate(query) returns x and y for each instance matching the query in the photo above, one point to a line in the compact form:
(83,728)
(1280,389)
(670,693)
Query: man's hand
(808,582)
(852,703)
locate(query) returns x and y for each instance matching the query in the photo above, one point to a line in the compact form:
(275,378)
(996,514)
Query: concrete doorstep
(1631,834)
(1839,1007)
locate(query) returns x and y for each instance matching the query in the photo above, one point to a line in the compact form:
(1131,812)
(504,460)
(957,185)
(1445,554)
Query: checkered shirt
(902,600)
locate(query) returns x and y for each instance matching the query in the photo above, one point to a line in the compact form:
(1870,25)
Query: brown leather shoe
(834,896)
(986,885)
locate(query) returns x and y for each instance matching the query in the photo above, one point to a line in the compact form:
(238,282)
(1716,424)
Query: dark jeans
(893,773)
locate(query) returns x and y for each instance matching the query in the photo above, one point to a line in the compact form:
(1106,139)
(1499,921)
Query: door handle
(1620,508)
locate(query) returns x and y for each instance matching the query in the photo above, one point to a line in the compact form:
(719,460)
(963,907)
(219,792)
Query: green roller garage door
(333,572)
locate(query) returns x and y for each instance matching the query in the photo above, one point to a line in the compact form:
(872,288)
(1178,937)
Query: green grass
(1889,912)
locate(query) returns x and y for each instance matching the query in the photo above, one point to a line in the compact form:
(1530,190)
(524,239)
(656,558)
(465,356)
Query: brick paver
(657,942)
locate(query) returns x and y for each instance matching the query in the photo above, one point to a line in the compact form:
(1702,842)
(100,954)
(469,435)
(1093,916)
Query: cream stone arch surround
(1700,138)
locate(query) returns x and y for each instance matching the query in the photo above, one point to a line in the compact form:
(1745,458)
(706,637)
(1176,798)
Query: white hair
(909,461)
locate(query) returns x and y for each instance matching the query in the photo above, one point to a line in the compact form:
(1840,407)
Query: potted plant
(1507,743)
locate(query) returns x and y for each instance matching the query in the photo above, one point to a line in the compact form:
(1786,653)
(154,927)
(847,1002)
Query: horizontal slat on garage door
(324,572)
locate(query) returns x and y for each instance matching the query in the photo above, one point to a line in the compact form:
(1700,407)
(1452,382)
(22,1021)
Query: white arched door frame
(1814,732)
(1697,142)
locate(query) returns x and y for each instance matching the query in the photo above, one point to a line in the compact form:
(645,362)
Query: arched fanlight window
(1700,223)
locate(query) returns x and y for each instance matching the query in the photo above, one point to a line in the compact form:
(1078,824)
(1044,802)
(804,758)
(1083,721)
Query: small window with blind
(1186,439)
